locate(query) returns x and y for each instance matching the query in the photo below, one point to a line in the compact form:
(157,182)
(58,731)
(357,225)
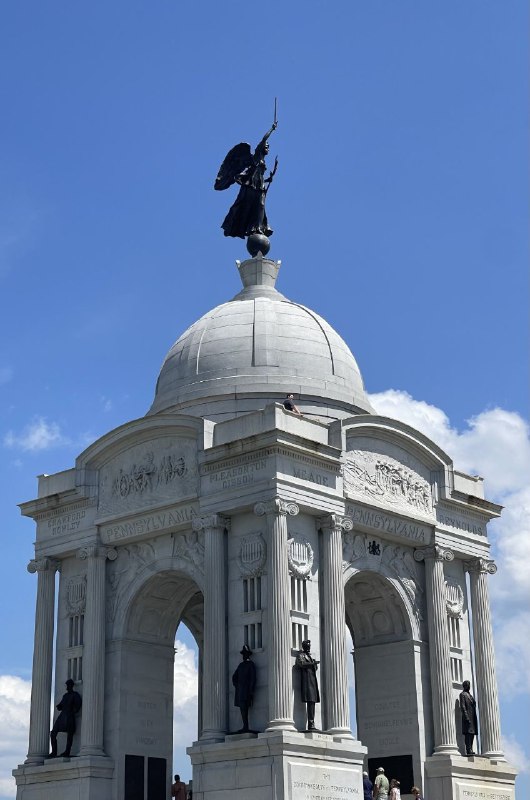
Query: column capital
(335,522)
(276,506)
(43,565)
(97,551)
(210,521)
(480,565)
(436,553)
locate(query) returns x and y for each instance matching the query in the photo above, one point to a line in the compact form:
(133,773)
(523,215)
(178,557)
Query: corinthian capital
(210,521)
(276,506)
(436,552)
(43,565)
(481,565)
(335,522)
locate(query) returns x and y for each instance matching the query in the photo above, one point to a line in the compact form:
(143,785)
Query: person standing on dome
(290,406)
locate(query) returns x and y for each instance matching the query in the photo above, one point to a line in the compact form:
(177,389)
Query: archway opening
(386,699)
(161,661)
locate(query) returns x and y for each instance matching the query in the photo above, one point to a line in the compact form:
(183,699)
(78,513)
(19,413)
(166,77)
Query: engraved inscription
(311,475)
(152,523)
(66,523)
(238,475)
(461,523)
(481,792)
(384,522)
(324,783)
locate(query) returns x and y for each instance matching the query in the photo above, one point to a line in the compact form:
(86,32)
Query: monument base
(279,765)
(89,777)
(450,777)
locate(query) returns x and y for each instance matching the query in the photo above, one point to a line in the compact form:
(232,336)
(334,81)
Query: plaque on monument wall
(382,473)
(148,474)
(310,781)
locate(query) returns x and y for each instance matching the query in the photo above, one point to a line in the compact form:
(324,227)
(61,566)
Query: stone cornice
(56,504)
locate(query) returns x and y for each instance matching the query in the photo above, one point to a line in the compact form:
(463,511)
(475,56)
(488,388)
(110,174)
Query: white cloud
(38,435)
(495,444)
(15,695)
(516,755)
(185,696)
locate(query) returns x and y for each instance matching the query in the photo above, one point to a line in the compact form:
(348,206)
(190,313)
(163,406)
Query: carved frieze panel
(300,556)
(388,476)
(252,555)
(189,546)
(454,598)
(76,595)
(365,551)
(123,569)
(148,474)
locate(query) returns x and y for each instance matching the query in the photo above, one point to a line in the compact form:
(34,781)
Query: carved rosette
(436,552)
(481,565)
(300,556)
(454,598)
(276,506)
(252,555)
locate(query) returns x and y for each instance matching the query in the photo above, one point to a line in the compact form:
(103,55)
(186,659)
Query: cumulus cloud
(516,755)
(38,435)
(185,696)
(15,695)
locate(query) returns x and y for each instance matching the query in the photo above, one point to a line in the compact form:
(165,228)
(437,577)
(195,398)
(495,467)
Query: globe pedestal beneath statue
(284,765)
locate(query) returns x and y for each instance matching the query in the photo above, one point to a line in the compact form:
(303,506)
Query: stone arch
(391,664)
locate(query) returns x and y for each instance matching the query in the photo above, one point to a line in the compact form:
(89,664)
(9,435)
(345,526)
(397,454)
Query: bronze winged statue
(247,216)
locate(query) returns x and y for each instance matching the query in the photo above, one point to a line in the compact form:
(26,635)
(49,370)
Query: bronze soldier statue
(244,680)
(468,707)
(69,706)
(309,684)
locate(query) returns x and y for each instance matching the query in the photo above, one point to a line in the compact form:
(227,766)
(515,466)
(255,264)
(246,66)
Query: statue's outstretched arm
(273,128)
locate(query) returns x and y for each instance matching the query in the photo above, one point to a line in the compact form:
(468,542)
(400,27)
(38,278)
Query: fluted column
(279,639)
(214,686)
(41,681)
(94,650)
(439,652)
(487,696)
(333,641)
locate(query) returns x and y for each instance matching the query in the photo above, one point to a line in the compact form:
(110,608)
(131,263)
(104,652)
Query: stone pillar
(214,686)
(278,595)
(41,681)
(94,650)
(488,701)
(439,652)
(333,641)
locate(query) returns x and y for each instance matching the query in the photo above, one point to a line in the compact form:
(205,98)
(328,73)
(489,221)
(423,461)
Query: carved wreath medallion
(252,555)
(300,556)
(454,598)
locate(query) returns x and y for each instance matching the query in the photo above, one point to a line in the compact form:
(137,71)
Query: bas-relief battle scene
(328,564)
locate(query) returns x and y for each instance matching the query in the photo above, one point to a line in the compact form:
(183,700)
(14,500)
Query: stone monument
(249,523)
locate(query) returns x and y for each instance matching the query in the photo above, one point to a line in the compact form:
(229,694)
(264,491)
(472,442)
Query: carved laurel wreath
(300,556)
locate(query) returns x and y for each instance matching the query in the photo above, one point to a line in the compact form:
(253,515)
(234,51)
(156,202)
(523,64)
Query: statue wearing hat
(69,706)
(244,680)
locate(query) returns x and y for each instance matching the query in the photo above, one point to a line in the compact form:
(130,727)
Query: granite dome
(252,350)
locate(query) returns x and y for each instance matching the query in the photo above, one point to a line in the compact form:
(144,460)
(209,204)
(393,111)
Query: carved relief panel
(379,472)
(147,474)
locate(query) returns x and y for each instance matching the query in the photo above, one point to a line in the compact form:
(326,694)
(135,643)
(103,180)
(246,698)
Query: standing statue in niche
(468,707)
(247,216)
(69,706)
(244,680)
(309,684)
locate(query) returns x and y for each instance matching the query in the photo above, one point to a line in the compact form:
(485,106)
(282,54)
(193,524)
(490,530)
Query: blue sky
(400,213)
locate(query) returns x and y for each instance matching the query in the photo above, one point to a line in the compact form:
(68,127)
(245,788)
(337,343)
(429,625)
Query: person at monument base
(178,789)
(368,787)
(468,708)
(69,706)
(381,785)
(244,680)
(309,684)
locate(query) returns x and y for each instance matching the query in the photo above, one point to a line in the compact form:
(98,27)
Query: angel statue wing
(236,160)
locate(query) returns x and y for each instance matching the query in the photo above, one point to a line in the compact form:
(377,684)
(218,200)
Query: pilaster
(333,641)
(439,652)
(487,696)
(279,678)
(41,682)
(214,691)
(94,649)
